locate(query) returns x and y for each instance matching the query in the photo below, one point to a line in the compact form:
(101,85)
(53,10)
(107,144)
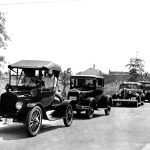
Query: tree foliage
(136,69)
(3,34)
(3,39)
(65,79)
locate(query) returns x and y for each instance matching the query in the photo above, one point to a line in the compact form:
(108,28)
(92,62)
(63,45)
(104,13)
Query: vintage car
(29,104)
(129,92)
(87,94)
(146,89)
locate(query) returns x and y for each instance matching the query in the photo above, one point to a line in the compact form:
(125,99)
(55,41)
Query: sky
(78,33)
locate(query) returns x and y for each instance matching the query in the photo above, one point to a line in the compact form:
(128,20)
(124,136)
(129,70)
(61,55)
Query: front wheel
(90,112)
(68,116)
(34,121)
(107,110)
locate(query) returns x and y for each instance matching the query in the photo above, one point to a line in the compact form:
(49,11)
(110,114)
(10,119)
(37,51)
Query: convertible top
(35,64)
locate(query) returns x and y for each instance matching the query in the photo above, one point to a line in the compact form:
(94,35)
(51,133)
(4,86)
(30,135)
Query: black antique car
(129,92)
(29,104)
(87,94)
(146,89)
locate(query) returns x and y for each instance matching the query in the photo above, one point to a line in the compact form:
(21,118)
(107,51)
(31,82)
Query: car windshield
(82,83)
(20,77)
(129,86)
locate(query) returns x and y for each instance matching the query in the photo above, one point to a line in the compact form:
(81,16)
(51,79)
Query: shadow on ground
(18,131)
(83,116)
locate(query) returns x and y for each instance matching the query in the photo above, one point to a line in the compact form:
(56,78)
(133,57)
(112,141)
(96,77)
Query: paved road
(127,128)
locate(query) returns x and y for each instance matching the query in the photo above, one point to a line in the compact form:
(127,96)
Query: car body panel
(86,90)
(146,89)
(131,92)
(19,100)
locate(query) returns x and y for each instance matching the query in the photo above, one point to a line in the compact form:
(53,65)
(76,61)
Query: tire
(107,110)
(90,112)
(34,121)
(68,116)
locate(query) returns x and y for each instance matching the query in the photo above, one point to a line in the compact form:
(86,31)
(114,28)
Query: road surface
(126,128)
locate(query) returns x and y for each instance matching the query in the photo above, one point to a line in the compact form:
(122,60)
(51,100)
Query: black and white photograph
(74,75)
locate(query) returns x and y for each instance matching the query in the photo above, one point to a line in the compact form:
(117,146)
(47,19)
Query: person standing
(50,80)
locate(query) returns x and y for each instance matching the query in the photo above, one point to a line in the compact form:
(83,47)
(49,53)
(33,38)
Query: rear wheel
(68,116)
(34,121)
(90,112)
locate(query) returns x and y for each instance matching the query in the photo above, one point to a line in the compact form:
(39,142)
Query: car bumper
(125,100)
(82,107)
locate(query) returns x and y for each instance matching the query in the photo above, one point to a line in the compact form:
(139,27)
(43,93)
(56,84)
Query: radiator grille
(7,103)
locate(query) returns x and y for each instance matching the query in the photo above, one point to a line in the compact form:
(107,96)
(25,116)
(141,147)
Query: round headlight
(19,105)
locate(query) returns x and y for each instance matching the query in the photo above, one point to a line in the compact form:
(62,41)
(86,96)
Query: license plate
(133,98)
(7,120)
(72,98)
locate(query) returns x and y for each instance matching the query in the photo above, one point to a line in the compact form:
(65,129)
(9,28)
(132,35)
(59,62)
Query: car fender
(105,100)
(109,100)
(89,100)
(60,109)
(31,105)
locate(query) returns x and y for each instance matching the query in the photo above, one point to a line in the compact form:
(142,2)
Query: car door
(47,97)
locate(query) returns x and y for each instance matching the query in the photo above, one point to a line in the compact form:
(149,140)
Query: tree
(65,80)
(3,39)
(146,76)
(3,34)
(136,69)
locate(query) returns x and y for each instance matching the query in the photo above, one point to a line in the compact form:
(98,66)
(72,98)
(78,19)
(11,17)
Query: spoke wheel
(34,121)
(68,116)
(90,112)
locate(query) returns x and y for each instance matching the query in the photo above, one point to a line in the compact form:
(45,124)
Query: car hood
(80,90)
(22,94)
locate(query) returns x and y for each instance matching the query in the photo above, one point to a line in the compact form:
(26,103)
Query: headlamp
(19,105)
